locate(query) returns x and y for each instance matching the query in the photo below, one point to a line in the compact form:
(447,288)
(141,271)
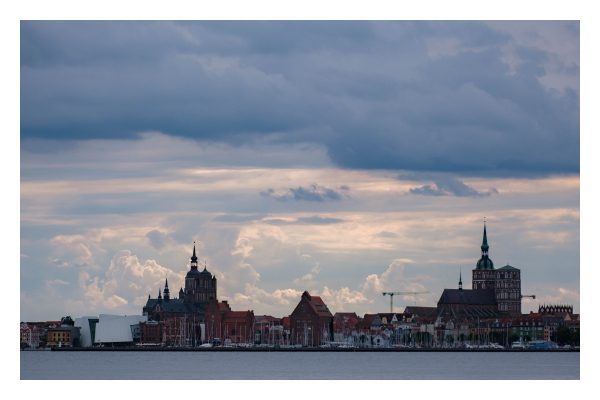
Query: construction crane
(528,295)
(392,294)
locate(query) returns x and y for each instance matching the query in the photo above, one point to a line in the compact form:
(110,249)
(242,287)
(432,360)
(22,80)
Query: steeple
(166,292)
(460,281)
(194,259)
(159,295)
(485,262)
(484,245)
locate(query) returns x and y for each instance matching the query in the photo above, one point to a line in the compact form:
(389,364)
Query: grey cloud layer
(416,96)
(449,186)
(311,193)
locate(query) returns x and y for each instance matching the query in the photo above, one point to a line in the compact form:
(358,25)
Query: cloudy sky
(342,158)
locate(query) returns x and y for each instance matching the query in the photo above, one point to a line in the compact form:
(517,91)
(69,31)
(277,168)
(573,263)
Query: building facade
(224,324)
(63,336)
(551,309)
(311,321)
(30,335)
(528,327)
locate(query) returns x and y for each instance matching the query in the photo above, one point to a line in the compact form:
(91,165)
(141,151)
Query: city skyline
(343,159)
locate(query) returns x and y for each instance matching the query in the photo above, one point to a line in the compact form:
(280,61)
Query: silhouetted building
(200,289)
(494,293)
(311,323)
(549,309)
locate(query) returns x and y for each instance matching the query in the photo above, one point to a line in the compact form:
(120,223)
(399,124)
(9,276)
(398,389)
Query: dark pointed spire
(194,258)
(159,295)
(484,245)
(460,281)
(166,291)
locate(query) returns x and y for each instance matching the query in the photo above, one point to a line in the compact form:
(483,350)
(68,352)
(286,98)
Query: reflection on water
(243,365)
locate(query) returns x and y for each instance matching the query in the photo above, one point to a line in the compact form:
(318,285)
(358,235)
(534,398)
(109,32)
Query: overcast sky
(342,158)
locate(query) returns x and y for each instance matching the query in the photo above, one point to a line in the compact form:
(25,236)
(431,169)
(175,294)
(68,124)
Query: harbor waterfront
(227,365)
(313,349)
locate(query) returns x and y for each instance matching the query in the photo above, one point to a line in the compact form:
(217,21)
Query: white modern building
(117,329)
(87,331)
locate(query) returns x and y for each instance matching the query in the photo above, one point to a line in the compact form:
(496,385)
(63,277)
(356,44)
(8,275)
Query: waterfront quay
(315,349)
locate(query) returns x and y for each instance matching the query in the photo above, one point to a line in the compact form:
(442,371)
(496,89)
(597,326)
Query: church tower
(166,291)
(484,276)
(200,287)
(508,290)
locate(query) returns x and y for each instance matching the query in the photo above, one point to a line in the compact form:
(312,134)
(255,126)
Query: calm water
(233,365)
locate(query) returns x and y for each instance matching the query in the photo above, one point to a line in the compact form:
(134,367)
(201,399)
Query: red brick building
(151,332)
(344,321)
(222,323)
(311,322)
(238,326)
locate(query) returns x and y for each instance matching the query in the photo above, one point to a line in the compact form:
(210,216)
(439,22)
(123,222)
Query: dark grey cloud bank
(449,186)
(310,193)
(423,96)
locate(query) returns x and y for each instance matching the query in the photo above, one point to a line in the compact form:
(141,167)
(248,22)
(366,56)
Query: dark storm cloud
(311,193)
(398,95)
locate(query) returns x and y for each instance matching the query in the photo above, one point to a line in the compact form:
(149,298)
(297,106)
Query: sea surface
(313,365)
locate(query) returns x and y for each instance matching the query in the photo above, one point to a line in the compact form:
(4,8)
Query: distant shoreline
(313,349)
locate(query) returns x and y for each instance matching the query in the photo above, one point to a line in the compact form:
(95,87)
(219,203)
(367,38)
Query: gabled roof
(175,305)
(418,310)
(346,315)
(388,316)
(468,297)
(317,305)
(508,267)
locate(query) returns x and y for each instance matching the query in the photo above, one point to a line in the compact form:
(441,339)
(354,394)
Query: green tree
(513,338)
(331,329)
(67,321)
(563,335)
(575,338)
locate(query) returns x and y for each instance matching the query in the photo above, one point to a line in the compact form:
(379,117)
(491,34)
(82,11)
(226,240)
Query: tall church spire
(460,281)
(166,291)
(484,245)
(485,262)
(194,263)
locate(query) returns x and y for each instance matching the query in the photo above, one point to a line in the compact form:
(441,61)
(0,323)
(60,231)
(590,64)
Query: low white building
(87,331)
(117,329)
